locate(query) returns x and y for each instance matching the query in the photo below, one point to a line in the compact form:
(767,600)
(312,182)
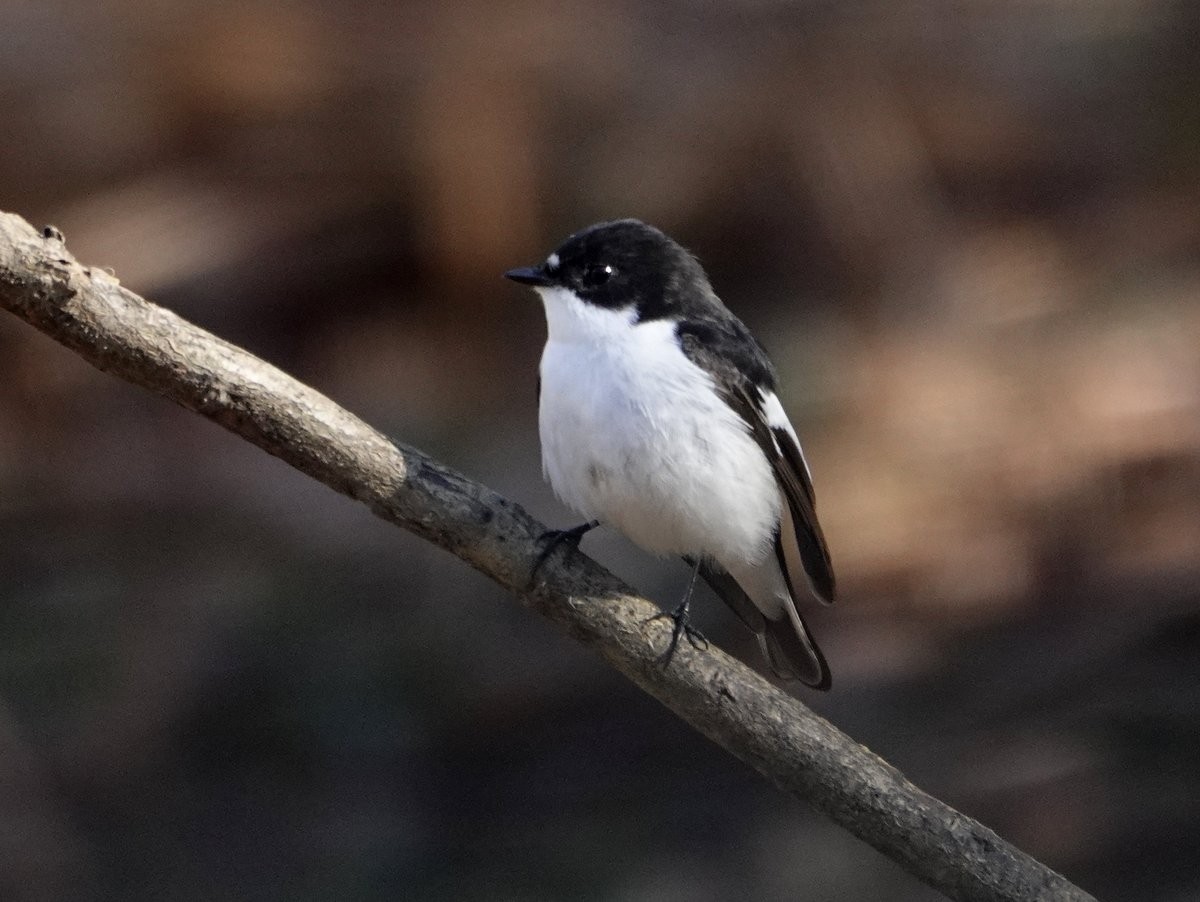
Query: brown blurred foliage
(968,234)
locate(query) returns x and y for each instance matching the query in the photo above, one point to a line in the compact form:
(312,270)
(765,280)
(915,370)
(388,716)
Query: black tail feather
(788,646)
(794,656)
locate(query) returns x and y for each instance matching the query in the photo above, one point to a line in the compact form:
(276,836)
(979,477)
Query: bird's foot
(681,627)
(555,537)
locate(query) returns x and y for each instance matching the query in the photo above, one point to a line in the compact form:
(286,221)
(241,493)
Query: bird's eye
(596,274)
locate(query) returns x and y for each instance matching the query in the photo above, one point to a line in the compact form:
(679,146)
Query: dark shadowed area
(967,232)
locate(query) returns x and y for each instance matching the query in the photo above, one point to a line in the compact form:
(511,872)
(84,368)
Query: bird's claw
(556,537)
(680,627)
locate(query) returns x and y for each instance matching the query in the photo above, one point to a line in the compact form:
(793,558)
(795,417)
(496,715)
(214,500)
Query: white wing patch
(777,419)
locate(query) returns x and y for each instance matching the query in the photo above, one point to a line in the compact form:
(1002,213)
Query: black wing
(799,524)
(738,364)
(741,370)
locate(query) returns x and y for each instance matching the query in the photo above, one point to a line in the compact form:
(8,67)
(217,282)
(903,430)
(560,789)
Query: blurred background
(967,231)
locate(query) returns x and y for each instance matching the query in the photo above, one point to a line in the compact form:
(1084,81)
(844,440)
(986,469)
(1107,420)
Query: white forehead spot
(552,261)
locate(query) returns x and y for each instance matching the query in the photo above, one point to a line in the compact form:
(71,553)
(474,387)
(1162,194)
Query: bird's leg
(682,627)
(555,537)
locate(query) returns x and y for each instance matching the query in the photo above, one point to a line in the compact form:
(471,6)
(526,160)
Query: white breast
(634,434)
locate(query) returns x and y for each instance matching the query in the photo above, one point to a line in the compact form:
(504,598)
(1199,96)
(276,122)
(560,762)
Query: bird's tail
(786,643)
(792,653)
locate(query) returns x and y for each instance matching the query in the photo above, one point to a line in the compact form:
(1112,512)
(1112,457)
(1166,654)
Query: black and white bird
(658,415)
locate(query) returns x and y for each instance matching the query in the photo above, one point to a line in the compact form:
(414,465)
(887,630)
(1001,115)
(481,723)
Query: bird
(658,414)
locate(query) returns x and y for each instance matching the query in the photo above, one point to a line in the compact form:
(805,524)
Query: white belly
(633,435)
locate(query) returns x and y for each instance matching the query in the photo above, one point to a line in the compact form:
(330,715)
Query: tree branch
(117,331)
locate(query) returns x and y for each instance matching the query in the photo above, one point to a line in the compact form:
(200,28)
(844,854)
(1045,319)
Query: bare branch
(119,332)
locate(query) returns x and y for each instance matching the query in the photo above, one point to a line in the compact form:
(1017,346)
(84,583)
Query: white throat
(570,319)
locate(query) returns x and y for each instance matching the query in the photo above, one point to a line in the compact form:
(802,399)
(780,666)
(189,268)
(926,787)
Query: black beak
(528,275)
